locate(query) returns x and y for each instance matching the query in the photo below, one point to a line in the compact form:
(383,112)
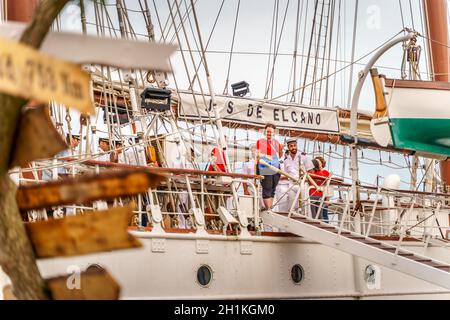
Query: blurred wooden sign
(82,49)
(8,293)
(87,189)
(83,234)
(93,284)
(37,137)
(27,73)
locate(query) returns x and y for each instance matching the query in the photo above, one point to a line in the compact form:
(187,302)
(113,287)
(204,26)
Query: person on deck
(292,167)
(282,188)
(104,150)
(320,176)
(73,143)
(218,161)
(270,151)
(117,154)
(249,168)
(293,163)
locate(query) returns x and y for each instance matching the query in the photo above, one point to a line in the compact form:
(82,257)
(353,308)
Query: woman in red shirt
(269,150)
(320,176)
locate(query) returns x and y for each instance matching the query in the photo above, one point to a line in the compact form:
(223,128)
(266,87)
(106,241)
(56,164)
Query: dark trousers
(315,204)
(269,184)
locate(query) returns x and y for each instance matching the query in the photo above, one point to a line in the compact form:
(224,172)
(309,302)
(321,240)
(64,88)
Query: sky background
(377,22)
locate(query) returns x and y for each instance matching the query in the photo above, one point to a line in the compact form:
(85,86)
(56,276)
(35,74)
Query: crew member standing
(270,151)
(281,198)
(218,160)
(320,176)
(292,168)
(104,150)
(249,168)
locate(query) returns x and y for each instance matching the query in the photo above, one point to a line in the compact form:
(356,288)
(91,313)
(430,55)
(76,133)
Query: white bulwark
(258,112)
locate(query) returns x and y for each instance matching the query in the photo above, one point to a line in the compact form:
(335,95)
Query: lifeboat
(412,115)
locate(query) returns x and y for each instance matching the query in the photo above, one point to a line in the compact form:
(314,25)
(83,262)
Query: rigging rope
(225,90)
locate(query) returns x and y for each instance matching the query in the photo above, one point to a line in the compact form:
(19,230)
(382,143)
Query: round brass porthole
(297,274)
(204,275)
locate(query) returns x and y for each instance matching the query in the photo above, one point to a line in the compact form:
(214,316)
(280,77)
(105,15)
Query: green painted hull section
(426,135)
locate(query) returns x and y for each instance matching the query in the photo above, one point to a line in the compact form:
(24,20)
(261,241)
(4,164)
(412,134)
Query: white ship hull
(251,268)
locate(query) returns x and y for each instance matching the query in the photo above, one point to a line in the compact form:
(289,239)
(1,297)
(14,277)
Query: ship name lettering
(307,118)
(230,108)
(258,113)
(294,116)
(276,115)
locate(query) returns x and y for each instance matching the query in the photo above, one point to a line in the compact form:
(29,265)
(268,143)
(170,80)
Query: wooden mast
(437,31)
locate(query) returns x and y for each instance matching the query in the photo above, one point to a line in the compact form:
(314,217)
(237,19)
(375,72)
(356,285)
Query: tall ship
(301,149)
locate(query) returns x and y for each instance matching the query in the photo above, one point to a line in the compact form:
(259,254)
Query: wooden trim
(395,238)
(160,170)
(98,231)
(346,114)
(414,84)
(94,285)
(219,232)
(87,189)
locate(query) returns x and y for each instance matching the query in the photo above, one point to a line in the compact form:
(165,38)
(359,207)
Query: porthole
(95,267)
(297,274)
(372,277)
(204,275)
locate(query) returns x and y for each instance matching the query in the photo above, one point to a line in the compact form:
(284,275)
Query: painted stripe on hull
(426,135)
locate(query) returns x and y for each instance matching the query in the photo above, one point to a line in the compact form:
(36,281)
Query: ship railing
(178,182)
(404,227)
(399,204)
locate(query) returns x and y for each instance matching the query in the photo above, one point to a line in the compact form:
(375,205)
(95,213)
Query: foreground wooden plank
(8,293)
(83,190)
(37,137)
(93,285)
(92,232)
(121,53)
(30,74)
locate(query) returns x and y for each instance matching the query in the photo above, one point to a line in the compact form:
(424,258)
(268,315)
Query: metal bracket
(159,245)
(242,218)
(202,246)
(155,210)
(246,247)
(198,215)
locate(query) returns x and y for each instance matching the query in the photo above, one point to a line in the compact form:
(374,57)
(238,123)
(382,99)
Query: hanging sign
(27,73)
(257,112)
(120,53)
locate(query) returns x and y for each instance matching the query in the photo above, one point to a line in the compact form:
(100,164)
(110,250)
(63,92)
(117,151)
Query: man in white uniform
(291,166)
(183,160)
(73,143)
(281,198)
(103,150)
(134,155)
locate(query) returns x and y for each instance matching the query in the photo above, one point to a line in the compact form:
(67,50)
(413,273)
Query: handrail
(336,182)
(164,170)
